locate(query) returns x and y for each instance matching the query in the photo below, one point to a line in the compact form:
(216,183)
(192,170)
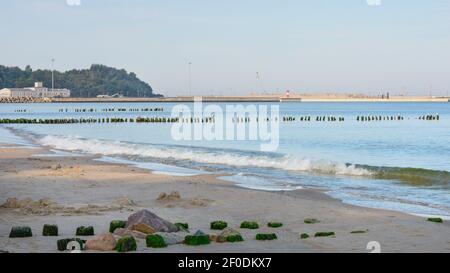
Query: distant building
(38,91)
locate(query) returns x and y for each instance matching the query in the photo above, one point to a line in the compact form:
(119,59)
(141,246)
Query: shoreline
(237,99)
(83,182)
(232,177)
(254,99)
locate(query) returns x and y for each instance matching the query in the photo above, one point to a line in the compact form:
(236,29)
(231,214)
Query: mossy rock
(182,226)
(155,241)
(274,224)
(125,244)
(324,234)
(266,236)
(195,240)
(359,231)
(50,230)
(435,220)
(20,232)
(311,221)
(62,243)
(234,238)
(85,231)
(304,236)
(249,225)
(116,224)
(218,225)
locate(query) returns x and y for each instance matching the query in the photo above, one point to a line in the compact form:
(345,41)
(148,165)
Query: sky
(305,46)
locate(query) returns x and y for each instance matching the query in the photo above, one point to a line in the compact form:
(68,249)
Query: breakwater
(25,100)
(217,99)
(236,119)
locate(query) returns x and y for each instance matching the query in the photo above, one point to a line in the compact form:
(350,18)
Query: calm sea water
(399,165)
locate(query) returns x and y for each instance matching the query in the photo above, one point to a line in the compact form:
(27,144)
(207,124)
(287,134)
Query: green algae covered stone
(155,241)
(218,225)
(182,226)
(85,231)
(234,238)
(116,224)
(266,236)
(435,220)
(311,221)
(304,236)
(324,234)
(20,232)
(249,225)
(274,224)
(50,230)
(126,244)
(199,238)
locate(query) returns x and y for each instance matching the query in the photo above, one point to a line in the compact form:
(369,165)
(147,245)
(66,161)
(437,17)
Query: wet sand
(71,191)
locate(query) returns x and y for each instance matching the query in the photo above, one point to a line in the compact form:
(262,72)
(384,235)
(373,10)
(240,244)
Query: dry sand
(74,191)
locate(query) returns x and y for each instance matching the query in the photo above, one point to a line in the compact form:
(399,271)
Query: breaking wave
(411,176)
(238,158)
(201,155)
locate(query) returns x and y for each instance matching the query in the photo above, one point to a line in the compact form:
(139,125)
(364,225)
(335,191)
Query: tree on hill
(97,80)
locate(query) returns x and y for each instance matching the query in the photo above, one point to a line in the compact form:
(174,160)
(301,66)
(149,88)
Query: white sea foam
(115,148)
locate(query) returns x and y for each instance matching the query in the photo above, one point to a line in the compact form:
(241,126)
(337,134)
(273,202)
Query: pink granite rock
(103,242)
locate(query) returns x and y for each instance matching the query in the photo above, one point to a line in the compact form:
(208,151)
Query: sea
(400,164)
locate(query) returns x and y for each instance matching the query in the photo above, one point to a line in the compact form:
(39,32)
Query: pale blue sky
(303,46)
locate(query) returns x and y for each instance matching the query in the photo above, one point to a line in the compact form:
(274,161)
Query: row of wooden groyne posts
(397,117)
(123,120)
(309,118)
(109,110)
(104,110)
(362,118)
(212,119)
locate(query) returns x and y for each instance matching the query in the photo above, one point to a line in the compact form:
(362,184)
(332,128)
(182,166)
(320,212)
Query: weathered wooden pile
(379,118)
(429,117)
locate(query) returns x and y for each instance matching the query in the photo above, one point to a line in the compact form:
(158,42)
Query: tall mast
(53,78)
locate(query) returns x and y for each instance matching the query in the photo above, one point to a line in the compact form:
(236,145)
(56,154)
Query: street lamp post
(53,78)
(258,83)
(190,71)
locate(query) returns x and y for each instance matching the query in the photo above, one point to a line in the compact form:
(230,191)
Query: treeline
(97,80)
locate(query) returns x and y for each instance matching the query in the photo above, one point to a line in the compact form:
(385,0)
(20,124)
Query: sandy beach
(71,191)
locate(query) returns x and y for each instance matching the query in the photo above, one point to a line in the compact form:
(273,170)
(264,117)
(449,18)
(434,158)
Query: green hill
(97,80)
